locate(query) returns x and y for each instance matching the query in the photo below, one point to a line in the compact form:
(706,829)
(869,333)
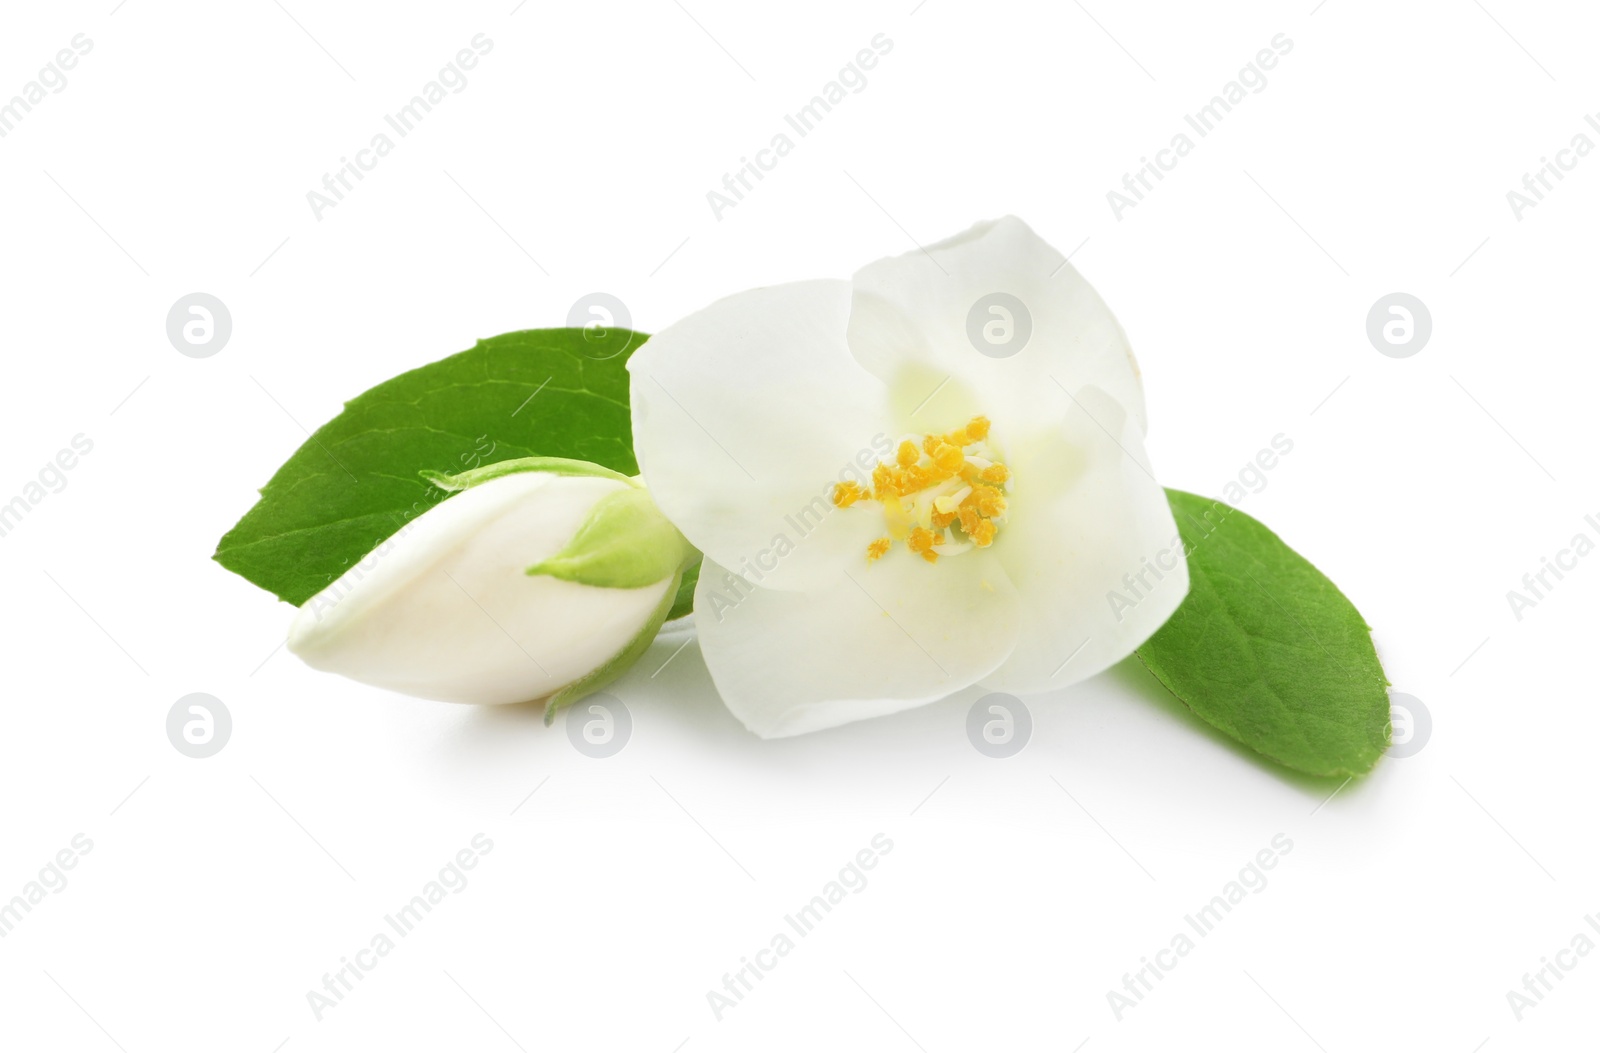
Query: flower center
(942,495)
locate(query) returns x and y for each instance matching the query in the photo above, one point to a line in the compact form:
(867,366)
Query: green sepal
(553,465)
(626,543)
(620,663)
(684,605)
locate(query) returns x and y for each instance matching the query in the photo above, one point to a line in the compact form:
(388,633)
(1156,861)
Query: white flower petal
(901,634)
(744,416)
(910,316)
(446,611)
(1086,522)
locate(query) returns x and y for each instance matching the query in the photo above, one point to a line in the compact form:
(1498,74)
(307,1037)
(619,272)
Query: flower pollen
(942,495)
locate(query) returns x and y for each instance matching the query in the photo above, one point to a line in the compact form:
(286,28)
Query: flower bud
(544,579)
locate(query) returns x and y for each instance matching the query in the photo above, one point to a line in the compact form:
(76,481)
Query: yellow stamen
(940,493)
(883,483)
(989,502)
(949,458)
(970,518)
(846,494)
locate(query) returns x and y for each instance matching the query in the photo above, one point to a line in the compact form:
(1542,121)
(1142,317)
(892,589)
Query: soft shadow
(671,688)
(1140,683)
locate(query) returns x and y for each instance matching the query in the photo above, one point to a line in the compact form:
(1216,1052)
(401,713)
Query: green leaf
(356,481)
(1269,650)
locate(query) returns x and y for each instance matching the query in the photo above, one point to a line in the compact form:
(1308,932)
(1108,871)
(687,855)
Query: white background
(218,892)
